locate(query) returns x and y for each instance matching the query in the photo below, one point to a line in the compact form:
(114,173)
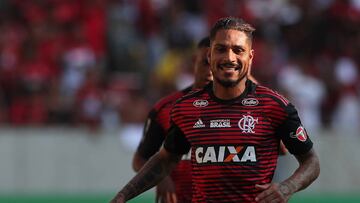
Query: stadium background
(77,78)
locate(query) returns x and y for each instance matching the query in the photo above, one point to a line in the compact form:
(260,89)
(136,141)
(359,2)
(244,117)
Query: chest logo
(220,123)
(250,102)
(200,103)
(247,124)
(199,124)
(225,154)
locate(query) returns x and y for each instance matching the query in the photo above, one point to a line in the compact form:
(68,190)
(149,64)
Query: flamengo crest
(247,124)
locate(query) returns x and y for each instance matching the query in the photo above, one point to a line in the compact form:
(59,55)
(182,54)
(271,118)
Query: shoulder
(189,106)
(274,105)
(169,100)
(191,96)
(191,103)
(271,95)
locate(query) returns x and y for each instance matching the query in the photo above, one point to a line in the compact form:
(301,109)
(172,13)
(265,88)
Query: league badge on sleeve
(300,134)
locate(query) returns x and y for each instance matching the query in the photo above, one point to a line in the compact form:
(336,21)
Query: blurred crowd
(101,63)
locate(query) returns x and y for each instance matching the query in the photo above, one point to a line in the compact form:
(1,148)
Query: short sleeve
(293,134)
(153,136)
(175,141)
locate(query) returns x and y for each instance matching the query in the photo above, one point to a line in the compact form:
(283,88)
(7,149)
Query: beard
(228,83)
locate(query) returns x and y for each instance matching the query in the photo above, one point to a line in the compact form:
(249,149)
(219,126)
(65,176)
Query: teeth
(229,67)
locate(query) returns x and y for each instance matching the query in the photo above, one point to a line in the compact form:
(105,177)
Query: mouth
(229,67)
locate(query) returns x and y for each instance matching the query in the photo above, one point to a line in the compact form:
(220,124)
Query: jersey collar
(249,88)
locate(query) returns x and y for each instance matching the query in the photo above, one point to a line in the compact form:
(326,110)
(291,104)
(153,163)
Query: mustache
(231,65)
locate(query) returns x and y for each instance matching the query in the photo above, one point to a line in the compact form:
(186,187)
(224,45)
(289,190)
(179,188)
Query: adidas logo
(199,124)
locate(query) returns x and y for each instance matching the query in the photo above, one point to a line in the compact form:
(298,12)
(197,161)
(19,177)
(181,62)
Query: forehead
(230,37)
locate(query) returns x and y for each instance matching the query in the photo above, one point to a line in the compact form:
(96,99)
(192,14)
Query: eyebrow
(233,46)
(218,44)
(238,47)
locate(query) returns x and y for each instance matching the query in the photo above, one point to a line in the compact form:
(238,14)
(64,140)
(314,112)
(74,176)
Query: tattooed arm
(150,175)
(305,174)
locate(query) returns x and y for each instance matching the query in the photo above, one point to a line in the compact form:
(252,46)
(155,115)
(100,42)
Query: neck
(227,93)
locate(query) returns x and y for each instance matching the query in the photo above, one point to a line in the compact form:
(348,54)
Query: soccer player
(233,128)
(177,186)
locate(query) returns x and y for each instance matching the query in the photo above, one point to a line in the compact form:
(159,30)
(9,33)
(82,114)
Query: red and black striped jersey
(234,143)
(156,126)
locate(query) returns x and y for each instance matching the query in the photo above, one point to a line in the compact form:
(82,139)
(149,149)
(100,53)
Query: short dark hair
(205,42)
(232,23)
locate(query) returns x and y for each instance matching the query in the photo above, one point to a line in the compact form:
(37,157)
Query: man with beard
(233,128)
(177,186)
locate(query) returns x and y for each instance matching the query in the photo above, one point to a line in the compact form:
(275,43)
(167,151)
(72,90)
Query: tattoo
(150,175)
(307,172)
(285,189)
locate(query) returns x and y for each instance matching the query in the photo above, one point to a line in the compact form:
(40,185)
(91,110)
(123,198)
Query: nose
(231,56)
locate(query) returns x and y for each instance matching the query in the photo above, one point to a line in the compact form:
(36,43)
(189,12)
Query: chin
(228,83)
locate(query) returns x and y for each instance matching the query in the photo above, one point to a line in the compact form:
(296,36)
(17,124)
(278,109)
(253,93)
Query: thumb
(263,186)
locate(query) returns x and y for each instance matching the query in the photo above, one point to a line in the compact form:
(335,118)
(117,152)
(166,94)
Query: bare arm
(138,162)
(305,174)
(165,190)
(151,174)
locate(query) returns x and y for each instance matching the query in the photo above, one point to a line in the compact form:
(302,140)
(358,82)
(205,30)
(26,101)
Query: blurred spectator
(78,58)
(88,104)
(347,111)
(307,93)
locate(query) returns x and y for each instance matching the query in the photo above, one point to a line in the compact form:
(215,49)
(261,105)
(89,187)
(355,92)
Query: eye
(238,50)
(220,49)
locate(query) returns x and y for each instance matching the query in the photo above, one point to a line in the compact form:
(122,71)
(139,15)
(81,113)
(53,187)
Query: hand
(165,191)
(273,192)
(119,198)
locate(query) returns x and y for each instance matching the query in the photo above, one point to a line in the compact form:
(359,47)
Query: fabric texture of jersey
(156,127)
(234,143)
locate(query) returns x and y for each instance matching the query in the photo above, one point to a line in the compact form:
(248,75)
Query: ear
(249,75)
(251,56)
(208,56)
(252,52)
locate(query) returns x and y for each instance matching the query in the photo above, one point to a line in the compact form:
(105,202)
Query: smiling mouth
(229,66)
